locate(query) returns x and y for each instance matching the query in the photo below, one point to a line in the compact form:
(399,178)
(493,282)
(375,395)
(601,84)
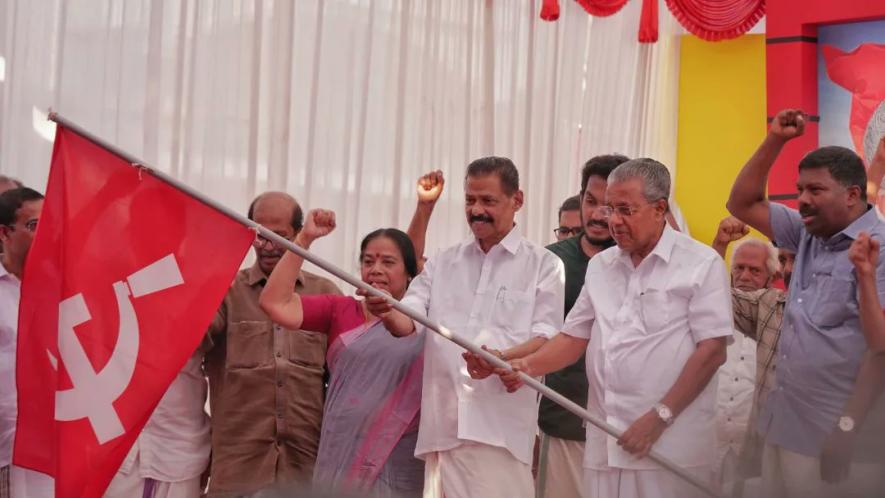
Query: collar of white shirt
(663,249)
(510,242)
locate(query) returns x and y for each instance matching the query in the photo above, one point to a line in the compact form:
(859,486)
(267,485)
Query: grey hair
(771,261)
(654,175)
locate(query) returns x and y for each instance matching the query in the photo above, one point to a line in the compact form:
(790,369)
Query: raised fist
(864,254)
(318,223)
(730,230)
(430,187)
(788,124)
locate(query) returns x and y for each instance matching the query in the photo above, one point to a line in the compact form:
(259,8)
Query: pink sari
(370,422)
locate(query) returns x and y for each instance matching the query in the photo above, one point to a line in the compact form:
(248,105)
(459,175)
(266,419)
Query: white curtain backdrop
(342,103)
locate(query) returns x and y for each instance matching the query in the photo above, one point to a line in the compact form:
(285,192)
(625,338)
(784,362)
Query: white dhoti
(629,483)
(473,469)
(560,473)
(786,474)
(132,485)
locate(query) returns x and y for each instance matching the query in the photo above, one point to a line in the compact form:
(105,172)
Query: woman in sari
(370,420)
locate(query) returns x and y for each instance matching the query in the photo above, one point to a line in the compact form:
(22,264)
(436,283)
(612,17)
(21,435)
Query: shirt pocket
(654,310)
(306,348)
(512,311)
(834,301)
(249,344)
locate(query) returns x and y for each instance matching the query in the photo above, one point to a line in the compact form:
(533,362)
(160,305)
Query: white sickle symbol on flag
(94,392)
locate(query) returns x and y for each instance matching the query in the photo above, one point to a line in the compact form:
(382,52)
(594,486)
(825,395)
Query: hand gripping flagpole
(417,317)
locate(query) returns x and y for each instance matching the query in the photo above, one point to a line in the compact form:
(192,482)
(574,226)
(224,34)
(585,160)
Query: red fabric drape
(550,10)
(602,8)
(648,22)
(712,20)
(715,20)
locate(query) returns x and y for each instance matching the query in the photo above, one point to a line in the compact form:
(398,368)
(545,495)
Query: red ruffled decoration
(715,20)
(602,8)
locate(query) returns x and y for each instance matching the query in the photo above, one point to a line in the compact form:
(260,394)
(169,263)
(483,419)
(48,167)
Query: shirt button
(280,384)
(279,414)
(799,300)
(742,358)
(279,354)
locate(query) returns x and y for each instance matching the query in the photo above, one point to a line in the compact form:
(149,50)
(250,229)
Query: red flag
(121,282)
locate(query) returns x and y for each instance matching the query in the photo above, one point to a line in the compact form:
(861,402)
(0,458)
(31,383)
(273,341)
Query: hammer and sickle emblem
(94,392)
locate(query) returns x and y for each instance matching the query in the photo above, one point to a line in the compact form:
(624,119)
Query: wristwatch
(664,413)
(846,423)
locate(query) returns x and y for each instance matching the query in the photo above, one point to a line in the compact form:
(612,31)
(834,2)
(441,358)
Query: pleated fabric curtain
(342,103)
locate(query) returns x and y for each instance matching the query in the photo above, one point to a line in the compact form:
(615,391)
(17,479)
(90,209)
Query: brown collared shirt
(265,390)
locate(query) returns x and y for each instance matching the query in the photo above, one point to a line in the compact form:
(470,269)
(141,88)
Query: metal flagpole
(417,317)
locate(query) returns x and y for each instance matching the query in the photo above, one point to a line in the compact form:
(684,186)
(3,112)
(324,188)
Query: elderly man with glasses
(654,338)
(265,382)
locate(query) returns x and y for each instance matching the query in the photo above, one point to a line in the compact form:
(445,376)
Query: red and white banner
(121,282)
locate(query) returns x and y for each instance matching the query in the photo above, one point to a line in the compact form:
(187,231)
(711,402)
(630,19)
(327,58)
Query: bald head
(7,183)
(280,213)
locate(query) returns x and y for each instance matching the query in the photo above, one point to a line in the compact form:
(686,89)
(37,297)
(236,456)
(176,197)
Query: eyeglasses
(30,225)
(261,242)
(624,211)
(567,231)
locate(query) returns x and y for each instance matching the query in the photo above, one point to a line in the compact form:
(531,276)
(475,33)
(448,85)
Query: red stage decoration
(715,20)
(711,20)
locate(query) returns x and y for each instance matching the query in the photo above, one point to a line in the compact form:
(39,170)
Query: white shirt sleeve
(418,295)
(580,319)
(549,298)
(709,310)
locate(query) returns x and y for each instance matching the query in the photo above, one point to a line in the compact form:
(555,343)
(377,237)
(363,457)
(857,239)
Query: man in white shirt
(496,289)
(172,452)
(654,337)
(19,213)
(754,265)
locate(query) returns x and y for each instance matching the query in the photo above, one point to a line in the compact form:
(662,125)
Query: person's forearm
(557,353)
(872,320)
(418,227)
(526,348)
(749,186)
(696,374)
(747,200)
(867,388)
(720,247)
(278,298)
(399,324)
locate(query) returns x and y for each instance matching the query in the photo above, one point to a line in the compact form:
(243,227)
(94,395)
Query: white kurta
(643,325)
(500,299)
(734,404)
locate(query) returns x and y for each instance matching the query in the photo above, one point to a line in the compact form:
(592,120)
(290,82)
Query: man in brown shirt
(265,382)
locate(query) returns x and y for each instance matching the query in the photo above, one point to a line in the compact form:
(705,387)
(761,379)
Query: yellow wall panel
(721,122)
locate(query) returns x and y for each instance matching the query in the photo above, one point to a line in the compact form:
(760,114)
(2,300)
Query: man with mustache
(560,471)
(811,418)
(495,289)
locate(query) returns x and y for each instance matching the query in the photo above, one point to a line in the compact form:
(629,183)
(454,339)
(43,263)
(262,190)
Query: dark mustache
(480,217)
(600,224)
(807,211)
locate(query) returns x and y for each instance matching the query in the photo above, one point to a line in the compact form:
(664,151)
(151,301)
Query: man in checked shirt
(758,313)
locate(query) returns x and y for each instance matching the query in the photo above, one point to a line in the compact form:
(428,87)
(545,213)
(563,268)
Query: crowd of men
(763,383)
